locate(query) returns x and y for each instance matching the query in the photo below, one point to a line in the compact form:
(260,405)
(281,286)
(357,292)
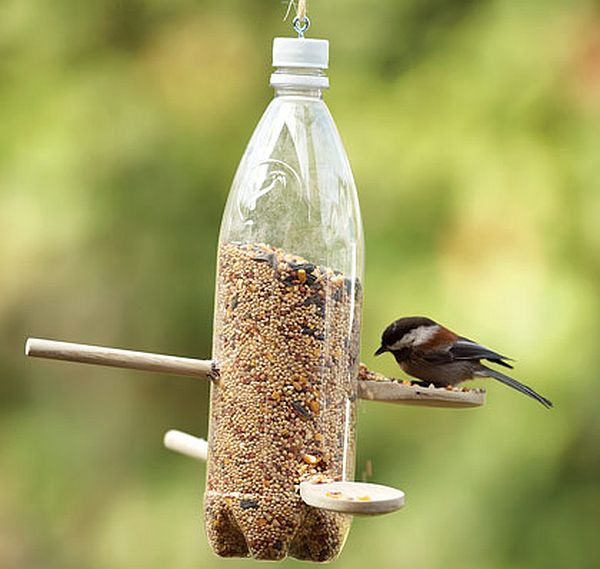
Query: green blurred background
(473,128)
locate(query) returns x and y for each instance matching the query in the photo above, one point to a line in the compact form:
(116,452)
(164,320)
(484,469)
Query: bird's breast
(439,374)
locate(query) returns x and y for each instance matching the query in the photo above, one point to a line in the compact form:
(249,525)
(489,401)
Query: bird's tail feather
(516,385)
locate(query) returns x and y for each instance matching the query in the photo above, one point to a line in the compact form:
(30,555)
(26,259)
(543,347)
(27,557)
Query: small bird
(434,354)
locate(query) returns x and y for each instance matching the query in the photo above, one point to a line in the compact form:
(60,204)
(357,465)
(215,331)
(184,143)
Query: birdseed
(283,409)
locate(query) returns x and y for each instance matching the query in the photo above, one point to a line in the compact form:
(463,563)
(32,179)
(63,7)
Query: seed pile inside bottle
(283,410)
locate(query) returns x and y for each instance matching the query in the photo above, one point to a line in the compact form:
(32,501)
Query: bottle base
(309,534)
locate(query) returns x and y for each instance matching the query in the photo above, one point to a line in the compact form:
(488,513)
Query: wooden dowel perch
(371,386)
(185,444)
(98,355)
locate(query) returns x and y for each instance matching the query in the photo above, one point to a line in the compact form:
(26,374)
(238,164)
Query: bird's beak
(381,350)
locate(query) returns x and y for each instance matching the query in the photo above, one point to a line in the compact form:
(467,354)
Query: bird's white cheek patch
(416,337)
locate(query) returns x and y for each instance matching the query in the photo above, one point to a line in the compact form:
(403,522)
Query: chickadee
(426,350)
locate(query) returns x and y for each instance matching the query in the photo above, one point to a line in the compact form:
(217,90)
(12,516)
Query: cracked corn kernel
(310,459)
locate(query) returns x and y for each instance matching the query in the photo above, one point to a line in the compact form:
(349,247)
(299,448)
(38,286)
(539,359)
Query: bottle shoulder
(294,187)
(293,126)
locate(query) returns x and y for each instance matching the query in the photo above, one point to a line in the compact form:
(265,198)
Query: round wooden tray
(376,387)
(397,392)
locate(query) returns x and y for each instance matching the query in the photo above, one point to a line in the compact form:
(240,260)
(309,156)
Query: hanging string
(301,14)
(300,23)
(291,4)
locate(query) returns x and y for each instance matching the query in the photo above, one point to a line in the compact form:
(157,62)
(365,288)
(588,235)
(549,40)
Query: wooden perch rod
(98,355)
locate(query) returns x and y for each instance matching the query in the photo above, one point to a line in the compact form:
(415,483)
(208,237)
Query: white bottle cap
(300,52)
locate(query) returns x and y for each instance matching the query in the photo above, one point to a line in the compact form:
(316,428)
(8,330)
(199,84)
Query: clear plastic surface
(286,337)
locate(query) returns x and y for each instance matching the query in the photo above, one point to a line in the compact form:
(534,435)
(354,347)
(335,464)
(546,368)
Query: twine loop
(300,23)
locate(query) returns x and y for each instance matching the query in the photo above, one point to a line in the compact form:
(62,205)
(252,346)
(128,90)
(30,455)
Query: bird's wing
(465,349)
(440,355)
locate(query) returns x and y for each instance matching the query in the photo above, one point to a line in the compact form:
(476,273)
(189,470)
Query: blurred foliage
(474,133)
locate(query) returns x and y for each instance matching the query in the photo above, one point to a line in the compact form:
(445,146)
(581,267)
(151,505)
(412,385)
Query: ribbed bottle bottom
(270,532)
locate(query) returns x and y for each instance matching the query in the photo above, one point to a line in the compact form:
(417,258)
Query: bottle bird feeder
(285,374)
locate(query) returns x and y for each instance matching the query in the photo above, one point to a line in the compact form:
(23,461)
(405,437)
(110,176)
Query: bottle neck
(297,92)
(295,81)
